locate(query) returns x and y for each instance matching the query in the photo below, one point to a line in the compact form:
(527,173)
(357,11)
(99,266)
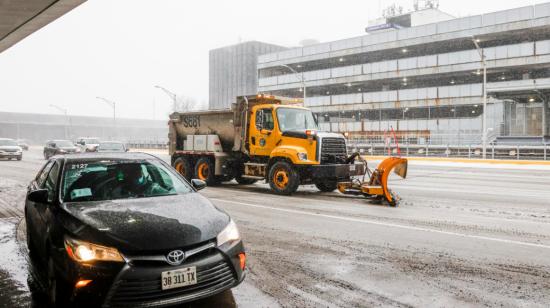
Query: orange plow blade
(380,176)
(377,186)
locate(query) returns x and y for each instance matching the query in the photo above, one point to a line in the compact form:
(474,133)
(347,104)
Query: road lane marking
(386,224)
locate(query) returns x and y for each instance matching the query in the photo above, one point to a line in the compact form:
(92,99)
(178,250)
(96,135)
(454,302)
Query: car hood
(147,224)
(10,148)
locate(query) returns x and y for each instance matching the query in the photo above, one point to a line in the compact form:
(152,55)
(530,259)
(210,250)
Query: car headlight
(77,150)
(81,251)
(62,151)
(302,156)
(229,234)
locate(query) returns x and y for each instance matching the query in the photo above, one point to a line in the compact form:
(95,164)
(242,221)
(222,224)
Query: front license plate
(179,278)
(351,167)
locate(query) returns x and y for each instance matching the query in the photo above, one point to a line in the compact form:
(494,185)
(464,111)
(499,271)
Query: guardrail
(147,144)
(469,151)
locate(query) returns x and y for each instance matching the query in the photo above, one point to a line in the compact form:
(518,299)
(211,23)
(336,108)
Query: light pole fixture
(484,117)
(65,112)
(298,75)
(113,105)
(172,95)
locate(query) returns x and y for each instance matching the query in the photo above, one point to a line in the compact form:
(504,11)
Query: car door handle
(253,140)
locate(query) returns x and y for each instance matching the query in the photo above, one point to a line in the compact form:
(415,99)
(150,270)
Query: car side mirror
(38,196)
(198,184)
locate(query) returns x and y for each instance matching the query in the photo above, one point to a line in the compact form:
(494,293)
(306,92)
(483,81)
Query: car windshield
(295,119)
(110,146)
(63,143)
(91,141)
(119,179)
(7,142)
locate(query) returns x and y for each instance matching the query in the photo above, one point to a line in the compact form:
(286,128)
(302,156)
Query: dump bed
(210,122)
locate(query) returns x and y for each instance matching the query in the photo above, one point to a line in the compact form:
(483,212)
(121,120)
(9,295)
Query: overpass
(21,18)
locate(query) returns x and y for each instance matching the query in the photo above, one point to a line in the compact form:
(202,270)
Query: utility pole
(113,105)
(172,95)
(300,76)
(64,111)
(484,117)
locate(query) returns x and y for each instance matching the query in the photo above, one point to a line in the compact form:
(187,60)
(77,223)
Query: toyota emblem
(175,257)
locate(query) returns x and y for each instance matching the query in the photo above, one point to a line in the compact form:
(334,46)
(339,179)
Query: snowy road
(464,235)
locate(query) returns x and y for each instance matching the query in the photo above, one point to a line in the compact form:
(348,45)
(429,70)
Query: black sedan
(55,147)
(126,230)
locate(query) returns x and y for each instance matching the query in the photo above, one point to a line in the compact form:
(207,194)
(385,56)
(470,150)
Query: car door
(33,219)
(44,210)
(262,139)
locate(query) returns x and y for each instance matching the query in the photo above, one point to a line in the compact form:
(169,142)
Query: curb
(468,160)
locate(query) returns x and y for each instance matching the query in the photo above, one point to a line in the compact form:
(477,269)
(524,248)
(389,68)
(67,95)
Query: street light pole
(301,76)
(172,95)
(484,117)
(65,112)
(113,105)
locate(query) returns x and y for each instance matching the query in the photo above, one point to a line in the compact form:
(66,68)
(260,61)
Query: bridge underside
(19,19)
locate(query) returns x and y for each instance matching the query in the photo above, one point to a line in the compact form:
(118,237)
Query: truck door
(262,137)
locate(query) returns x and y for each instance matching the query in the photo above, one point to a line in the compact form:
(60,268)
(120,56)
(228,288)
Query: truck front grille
(333,150)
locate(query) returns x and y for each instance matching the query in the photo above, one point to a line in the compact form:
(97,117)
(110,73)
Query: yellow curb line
(468,160)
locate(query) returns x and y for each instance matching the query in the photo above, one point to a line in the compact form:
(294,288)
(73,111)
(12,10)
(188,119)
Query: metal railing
(147,144)
(516,152)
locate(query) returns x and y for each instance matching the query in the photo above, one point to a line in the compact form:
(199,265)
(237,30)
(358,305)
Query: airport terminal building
(420,74)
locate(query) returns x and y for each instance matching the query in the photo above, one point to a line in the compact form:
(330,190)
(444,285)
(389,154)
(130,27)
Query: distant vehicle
(112,146)
(126,230)
(87,144)
(55,147)
(10,150)
(24,144)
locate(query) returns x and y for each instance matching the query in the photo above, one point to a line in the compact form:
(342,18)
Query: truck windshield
(291,119)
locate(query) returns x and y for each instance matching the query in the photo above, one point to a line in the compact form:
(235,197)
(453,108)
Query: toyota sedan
(126,230)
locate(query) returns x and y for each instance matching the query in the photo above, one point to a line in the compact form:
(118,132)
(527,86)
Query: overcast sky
(120,49)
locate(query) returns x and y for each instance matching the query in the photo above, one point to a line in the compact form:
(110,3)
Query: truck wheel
(204,169)
(326,185)
(245,181)
(283,179)
(183,166)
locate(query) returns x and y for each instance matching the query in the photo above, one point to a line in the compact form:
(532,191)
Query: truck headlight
(229,234)
(81,251)
(302,156)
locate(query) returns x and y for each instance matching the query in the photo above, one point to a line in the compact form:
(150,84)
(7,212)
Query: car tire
(205,170)
(20,158)
(283,178)
(184,167)
(58,291)
(326,185)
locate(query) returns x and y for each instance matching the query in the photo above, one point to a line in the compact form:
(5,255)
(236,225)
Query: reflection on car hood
(68,148)
(148,224)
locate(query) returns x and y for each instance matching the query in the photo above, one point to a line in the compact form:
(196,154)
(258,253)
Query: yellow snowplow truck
(262,137)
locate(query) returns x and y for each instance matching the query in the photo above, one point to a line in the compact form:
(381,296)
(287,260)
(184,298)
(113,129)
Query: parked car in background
(126,230)
(55,147)
(10,150)
(87,144)
(23,143)
(112,146)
